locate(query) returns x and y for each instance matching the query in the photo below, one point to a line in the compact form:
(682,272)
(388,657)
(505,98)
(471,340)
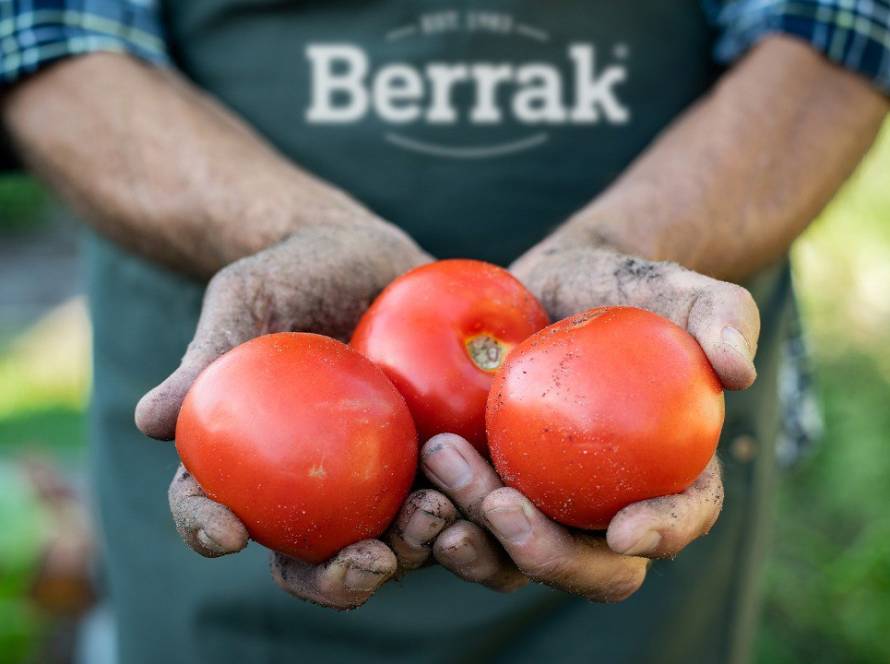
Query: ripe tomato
(603,409)
(440,332)
(305,440)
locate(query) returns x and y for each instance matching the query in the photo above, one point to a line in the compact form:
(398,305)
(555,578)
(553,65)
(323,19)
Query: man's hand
(721,316)
(321,279)
(347,580)
(721,191)
(504,540)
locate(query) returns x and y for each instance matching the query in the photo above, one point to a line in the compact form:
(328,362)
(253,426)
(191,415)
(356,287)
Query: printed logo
(534,95)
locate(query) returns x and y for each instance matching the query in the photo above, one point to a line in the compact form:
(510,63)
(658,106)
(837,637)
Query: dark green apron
(465,177)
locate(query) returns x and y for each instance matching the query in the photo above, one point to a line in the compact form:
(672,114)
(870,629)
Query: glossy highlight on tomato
(603,409)
(304,439)
(440,332)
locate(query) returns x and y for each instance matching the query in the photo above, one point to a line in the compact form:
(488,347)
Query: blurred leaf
(49,363)
(828,580)
(22,203)
(25,527)
(59,431)
(19,623)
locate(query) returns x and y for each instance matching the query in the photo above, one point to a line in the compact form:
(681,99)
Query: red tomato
(305,440)
(440,332)
(603,409)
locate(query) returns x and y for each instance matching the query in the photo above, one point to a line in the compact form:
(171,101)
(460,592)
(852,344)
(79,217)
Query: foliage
(828,582)
(21,203)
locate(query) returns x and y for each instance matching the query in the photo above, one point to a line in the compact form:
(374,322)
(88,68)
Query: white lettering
(488,78)
(540,98)
(325,83)
(345,89)
(591,91)
(397,83)
(443,78)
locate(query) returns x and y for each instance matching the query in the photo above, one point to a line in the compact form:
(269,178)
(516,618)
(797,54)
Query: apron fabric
(485,186)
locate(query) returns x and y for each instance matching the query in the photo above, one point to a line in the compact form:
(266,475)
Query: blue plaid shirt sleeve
(852,33)
(34,33)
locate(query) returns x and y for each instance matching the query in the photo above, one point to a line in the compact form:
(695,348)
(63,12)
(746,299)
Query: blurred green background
(828,582)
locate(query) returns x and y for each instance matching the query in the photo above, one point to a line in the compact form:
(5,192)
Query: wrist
(277,203)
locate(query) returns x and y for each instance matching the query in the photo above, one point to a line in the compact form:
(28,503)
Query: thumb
(157,411)
(224,324)
(725,321)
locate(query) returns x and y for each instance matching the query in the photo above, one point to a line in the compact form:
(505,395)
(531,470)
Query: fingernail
(732,337)
(462,553)
(422,527)
(509,523)
(447,466)
(208,542)
(645,545)
(361,580)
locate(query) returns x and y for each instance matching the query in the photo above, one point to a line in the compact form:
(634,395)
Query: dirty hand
(503,540)
(321,279)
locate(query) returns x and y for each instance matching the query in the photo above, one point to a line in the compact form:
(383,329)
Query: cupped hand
(321,279)
(722,316)
(345,581)
(503,540)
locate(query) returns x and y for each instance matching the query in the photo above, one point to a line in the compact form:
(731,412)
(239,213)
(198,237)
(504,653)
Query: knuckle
(434,503)
(734,292)
(743,297)
(740,300)
(511,584)
(410,560)
(201,550)
(182,486)
(624,588)
(479,572)
(711,518)
(278,567)
(330,587)
(622,585)
(225,280)
(551,568)
(452,556)
(676,539)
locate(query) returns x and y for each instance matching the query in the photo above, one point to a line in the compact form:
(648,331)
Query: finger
(725,321)
(473,555)
(346,581)
(547,552)
(721,316)
(455,467)
(425,514)
(224,324)
(206,526)
(662,527)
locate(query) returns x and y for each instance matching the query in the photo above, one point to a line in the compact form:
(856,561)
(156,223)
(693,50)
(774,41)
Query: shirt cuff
(854,34)
(34,34)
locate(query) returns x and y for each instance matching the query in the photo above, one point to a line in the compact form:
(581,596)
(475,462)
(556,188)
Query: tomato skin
(418,328)
(603,409)
(305,440)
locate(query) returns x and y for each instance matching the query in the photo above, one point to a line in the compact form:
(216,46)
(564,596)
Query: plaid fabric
(852,33)
(34,33)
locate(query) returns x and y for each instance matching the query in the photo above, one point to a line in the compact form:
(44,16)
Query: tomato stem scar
(486,352)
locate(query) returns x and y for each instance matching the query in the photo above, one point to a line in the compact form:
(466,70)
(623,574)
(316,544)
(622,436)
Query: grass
(21,203)
(828,578)
(828,582)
